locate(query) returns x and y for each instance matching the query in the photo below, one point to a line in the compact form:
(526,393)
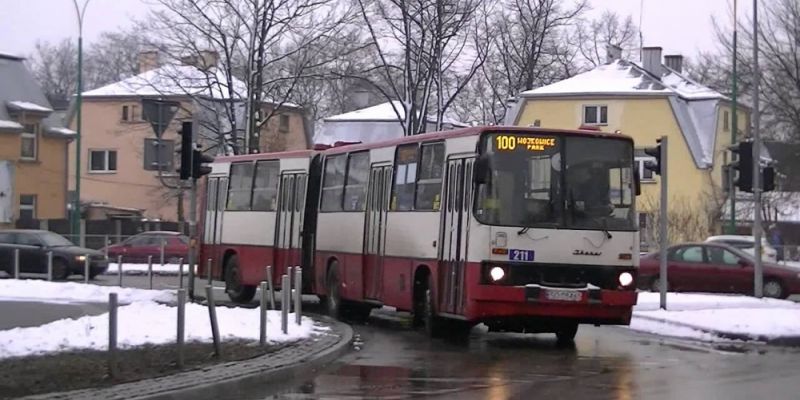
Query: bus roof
(431,136)
(471,131)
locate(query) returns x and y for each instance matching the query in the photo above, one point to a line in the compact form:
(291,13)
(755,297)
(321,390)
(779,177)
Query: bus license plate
(562,295)
(520,255)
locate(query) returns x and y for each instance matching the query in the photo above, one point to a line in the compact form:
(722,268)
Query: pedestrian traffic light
(743,166)
(654,152)
(768,178)
(200,165)
(185,168)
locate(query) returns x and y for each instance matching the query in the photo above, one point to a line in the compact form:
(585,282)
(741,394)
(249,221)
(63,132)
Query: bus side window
(405,177)
(333,183)
(265,188)
(429,185)
(355,190)
(239,189)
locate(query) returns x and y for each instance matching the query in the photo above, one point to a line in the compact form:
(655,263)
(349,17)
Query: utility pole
(758,281)
(664,240)
(734,122)
(76,204)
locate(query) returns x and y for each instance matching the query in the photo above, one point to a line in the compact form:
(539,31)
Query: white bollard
(49,266)
(298,294)
(262,337)
(285,289)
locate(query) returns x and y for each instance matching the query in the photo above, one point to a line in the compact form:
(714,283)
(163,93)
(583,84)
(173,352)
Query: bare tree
(54,66)
(425,54)
(594,36)
(779,46)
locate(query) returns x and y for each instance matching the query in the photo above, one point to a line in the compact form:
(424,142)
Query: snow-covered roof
(62,131)
(5,124)
(618,77)
(372,124)
(27,106)
(688,88)
(174,80)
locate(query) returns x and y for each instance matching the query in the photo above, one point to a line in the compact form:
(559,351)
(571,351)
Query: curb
(788,341)
(228,384)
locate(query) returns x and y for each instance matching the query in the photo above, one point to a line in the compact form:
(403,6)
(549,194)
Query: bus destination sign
(530,143)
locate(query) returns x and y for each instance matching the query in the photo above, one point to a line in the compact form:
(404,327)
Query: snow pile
(36,290)
(147,323)
(713,317)
(139,269)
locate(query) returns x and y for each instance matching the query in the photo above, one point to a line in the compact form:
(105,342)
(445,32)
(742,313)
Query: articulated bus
(521,229)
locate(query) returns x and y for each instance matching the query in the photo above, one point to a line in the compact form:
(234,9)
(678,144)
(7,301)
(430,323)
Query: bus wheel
(333,302)
(237,292)
(566,334)
(431,323)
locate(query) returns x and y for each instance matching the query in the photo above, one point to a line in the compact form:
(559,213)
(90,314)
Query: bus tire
(565,335)
(333,302)
(430,322)
(237,292)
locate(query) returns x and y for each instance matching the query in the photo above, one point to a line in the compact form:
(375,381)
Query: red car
(717,268)
(137,248)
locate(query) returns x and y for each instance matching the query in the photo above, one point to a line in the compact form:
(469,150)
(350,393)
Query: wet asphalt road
(605,363)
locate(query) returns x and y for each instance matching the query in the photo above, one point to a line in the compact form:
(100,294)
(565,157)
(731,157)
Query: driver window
(693,254)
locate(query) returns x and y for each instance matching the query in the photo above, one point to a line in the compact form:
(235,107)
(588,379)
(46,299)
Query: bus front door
(454,234)
(216,195)
(380,179)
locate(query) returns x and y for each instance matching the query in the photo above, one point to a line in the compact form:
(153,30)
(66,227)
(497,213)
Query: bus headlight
(497,273)
(625,278)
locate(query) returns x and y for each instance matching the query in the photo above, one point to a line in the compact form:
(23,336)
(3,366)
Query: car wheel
(237,292)
(431,323)
(60,269)
(566,334)
(774,289)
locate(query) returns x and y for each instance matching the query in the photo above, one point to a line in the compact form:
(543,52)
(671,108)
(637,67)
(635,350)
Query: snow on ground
(138,269)
(61,292)
(704,316)
(148,323)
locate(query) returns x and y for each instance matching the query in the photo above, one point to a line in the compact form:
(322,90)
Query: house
(645,101)
(33,149)
(126,167)
(372,124)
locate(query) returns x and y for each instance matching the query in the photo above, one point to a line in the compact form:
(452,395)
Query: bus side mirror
(637,182)
(481,173)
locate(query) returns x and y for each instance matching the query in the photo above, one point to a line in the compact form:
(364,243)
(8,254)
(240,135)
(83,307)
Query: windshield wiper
(523,230)
(604,228)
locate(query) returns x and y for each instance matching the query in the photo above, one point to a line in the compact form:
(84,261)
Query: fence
(96,234)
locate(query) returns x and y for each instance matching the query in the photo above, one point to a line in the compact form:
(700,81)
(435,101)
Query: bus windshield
(553,181)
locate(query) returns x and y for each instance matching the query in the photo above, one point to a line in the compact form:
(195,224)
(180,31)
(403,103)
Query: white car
(748,244)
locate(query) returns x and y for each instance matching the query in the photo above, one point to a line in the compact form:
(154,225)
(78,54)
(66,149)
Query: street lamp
(76,205)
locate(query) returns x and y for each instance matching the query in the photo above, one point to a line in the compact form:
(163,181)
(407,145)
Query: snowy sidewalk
(74,292)
(711,317)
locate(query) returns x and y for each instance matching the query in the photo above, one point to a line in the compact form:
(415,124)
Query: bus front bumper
(586,305)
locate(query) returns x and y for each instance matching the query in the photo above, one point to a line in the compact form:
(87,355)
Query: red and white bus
(522,229)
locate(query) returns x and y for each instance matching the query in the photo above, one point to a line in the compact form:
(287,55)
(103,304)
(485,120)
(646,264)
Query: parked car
(716,267)
(748,245)
(137,248)
(33,246)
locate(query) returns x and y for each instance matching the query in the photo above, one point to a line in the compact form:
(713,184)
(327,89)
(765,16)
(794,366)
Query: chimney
(613,53)
(148,60)
(651,61)
(203,60)
(674,62)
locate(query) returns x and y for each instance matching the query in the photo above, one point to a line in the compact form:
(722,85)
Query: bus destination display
(530,143)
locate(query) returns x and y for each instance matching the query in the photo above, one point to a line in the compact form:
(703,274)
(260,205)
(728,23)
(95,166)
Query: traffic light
(199,164)
(185,168)
(654,152)
(744,166)
(768,178)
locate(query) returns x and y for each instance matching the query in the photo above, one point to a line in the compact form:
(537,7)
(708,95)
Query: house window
(645,175)
(283,126)
(29,142)
(27,207)
(102,161)
(595,115)
(125,114)
(159,153)
(726,121)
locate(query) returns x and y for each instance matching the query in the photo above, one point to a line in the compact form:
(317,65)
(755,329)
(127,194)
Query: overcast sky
(679,26)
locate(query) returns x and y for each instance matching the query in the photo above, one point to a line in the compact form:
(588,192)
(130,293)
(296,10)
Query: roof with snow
(175,80)
(20,93)
(694,105)
(372,124)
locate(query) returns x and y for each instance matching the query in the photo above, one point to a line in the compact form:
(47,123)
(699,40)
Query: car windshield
(526,184)
(54,240)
